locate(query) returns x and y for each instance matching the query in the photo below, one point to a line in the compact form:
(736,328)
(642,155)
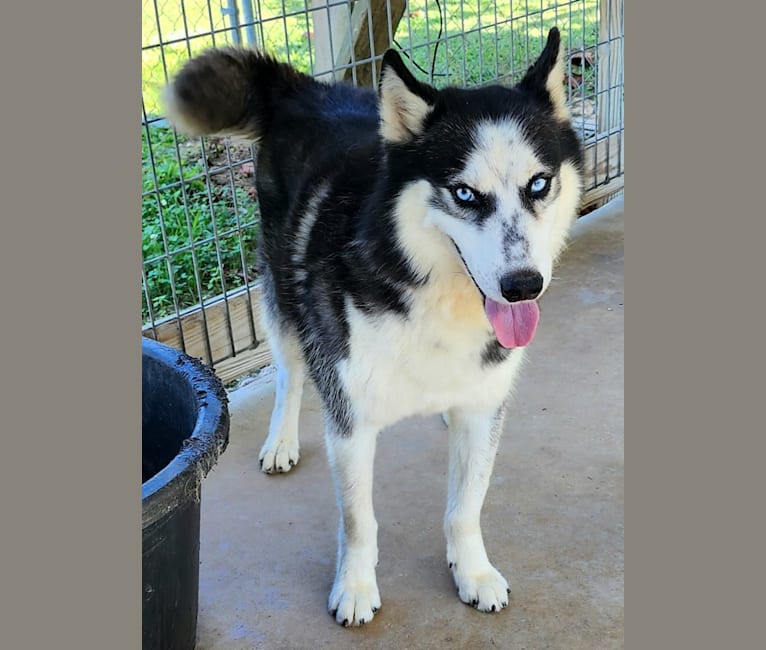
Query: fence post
(248,19)
(377,27)
(229,10)
(610,65)
(331,32)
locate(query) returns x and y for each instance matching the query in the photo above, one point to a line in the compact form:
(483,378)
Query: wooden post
(610,134)
(610,70)
(381,34)
(331,36)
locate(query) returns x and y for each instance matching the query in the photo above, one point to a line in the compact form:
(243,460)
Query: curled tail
(231,91)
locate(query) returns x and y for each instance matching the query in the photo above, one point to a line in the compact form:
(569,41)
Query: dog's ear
(546,77)
(405,102)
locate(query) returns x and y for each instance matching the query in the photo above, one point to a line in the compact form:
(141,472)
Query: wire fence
(199,205)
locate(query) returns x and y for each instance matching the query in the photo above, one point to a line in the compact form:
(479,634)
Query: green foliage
(484,38)
(182,215)
(182,212)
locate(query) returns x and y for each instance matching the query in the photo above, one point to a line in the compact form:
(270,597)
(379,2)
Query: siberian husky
(406,237)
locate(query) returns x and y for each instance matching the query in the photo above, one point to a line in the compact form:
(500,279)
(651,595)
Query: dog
(406,237)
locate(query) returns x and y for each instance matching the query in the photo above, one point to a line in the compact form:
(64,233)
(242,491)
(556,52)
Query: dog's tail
(231,91)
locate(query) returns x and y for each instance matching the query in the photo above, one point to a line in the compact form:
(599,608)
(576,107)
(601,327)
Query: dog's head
(495,171)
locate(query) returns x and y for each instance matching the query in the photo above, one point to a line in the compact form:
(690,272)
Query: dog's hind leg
(280,451)
(473,441)
(354,598)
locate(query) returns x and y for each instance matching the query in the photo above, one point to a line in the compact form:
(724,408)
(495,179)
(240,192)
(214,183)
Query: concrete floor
(553,518)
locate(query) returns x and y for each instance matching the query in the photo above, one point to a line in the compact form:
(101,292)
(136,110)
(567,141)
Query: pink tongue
(514,324)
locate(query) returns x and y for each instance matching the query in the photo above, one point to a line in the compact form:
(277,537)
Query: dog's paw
(354,600)
(280,456)
(485,589)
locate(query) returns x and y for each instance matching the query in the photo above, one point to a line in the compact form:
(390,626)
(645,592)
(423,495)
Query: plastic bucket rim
(175,481)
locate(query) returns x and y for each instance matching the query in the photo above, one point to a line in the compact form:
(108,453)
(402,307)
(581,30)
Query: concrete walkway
(553,518)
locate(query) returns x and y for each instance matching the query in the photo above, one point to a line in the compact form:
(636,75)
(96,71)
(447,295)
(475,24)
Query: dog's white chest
(425,363)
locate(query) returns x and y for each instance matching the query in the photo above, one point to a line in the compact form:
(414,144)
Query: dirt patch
(236,162)
(228,161)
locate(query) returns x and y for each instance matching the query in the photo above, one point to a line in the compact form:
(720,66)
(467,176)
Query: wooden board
(603,192)
(244,363)
(228,322)
(604,161)
(331,41)
(610,65)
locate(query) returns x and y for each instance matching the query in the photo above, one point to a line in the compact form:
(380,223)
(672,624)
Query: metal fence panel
(199,206)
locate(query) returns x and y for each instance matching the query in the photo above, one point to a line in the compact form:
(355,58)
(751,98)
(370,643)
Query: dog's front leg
(354,598)
(474,436)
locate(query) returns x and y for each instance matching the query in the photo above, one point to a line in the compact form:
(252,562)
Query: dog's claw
(494,609)
(345,622)
(292,463)
(374,609)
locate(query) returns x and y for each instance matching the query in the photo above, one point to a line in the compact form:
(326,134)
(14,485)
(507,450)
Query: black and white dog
(405,240)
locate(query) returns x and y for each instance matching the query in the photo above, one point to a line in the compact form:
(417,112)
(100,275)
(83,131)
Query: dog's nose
(521,285)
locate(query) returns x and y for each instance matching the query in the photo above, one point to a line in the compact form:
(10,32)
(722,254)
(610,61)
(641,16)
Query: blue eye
(538,185)
(464,194)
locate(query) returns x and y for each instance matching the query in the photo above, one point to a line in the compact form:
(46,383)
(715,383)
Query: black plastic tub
(185,424)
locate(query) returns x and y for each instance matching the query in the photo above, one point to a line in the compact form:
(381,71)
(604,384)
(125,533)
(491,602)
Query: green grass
(178,213)
(488,51)
(182,218)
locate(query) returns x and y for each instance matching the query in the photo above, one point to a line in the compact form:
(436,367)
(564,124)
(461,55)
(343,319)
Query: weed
(188,225)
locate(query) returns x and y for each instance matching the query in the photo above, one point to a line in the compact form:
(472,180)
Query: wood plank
(602,192)
(604,160)
(342,54)
(229,329)
(331,37)
(380,36)
(245,362)
(610,66)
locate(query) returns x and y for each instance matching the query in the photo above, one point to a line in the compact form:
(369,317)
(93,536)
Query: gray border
(694,558)
(71,558)
(71,550)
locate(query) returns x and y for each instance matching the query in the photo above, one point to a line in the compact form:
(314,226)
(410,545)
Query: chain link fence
(199,205)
